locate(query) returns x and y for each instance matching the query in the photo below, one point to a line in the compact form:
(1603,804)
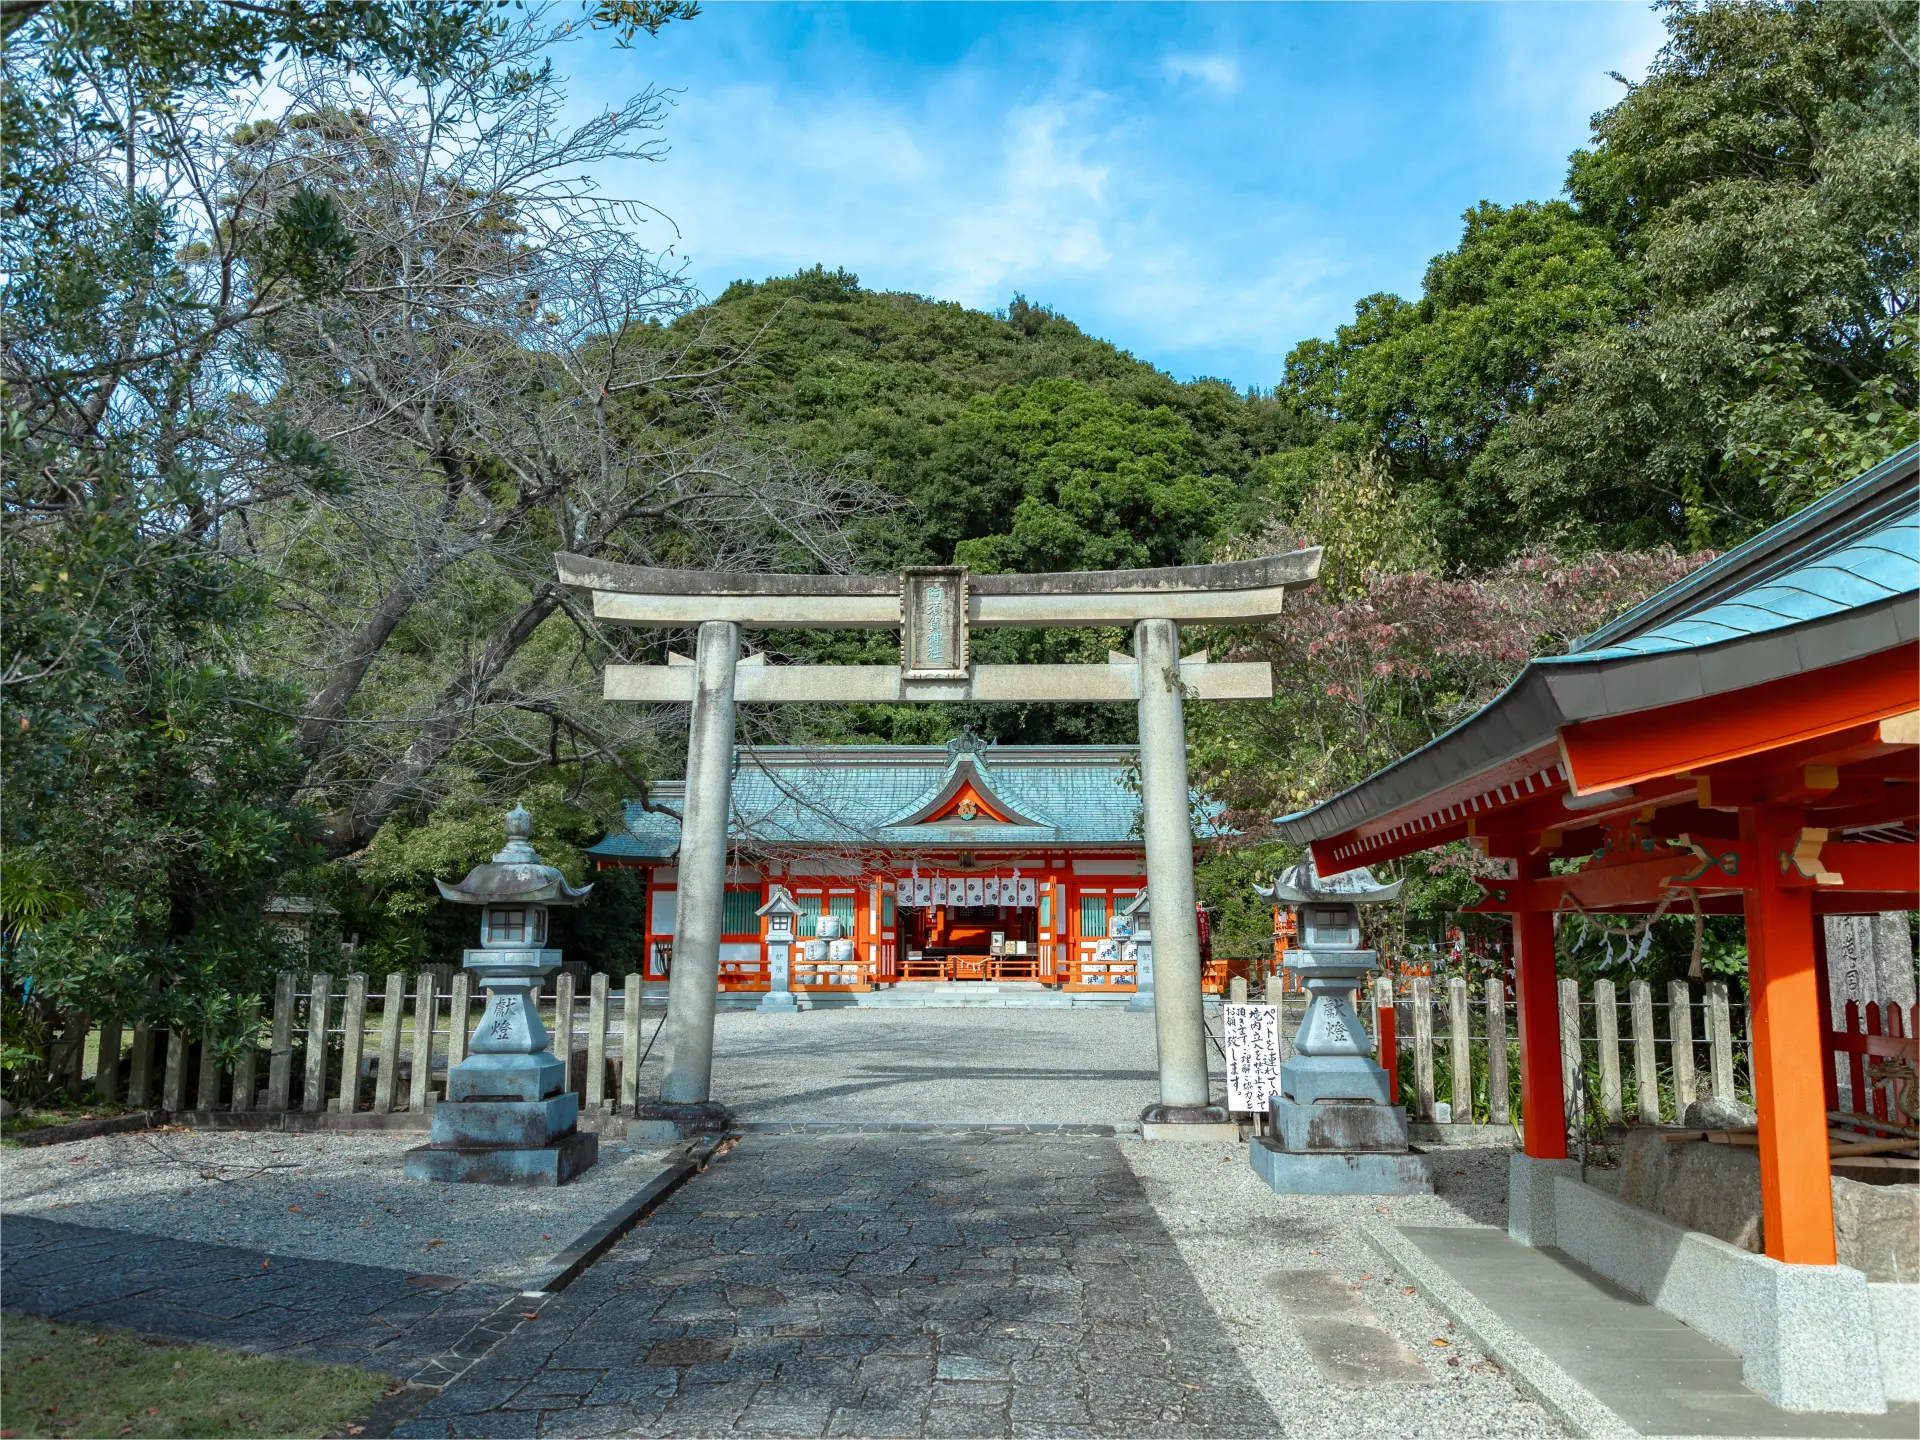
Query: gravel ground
(988,1065)
(321,1197)
(1233,1232)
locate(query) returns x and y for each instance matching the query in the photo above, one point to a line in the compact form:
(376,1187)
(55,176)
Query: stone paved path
(425,1327)
(924,1285)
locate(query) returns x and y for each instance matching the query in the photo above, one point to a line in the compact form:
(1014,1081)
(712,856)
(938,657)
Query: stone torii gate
(934,608)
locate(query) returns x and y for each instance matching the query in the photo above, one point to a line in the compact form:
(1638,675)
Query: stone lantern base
(472,1164)
(1341,1172)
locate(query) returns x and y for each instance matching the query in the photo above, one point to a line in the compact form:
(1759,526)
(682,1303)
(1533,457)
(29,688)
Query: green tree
(1761,184)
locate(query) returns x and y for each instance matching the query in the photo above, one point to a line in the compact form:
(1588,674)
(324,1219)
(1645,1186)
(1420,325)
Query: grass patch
(67,1380)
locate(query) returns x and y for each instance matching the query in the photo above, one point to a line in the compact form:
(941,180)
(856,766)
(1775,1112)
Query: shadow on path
(878,1285)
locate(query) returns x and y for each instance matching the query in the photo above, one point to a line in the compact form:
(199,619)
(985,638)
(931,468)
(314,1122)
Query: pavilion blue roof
(873,796)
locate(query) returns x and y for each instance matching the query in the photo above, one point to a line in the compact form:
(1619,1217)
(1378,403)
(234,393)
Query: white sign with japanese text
(1252,1034)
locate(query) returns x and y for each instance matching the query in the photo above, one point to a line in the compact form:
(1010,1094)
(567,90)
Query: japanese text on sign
(1253,1056)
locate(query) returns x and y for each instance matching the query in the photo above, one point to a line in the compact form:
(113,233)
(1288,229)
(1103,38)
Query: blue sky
(1205,185)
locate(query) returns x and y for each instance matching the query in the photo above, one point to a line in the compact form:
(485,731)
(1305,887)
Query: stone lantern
(508,1118)
(1335,1129)
(781,913)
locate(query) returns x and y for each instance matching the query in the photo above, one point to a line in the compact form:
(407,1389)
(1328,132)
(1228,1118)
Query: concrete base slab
(1604,1361)
(1205,1132)
(481,1165)
(687,1120)
(1292,1173)
(1530,1196)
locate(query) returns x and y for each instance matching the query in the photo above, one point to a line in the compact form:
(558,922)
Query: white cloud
(1042,213)
(1221,72)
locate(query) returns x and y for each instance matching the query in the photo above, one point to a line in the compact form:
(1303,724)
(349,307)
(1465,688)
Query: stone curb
(296,1121)
(588,1247)
(573,1261)
(1570,1402)
(88,1129)
(911,1127)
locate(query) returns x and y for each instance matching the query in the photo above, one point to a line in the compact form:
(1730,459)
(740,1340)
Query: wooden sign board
(1252,1035)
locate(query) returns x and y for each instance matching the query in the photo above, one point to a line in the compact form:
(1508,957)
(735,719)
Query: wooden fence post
(313,1093)
(106,1071)
(243,1067)
(140,1069)
(280,1057)
(1646,1062)
(207,1091)
(1499,1106)
(1573,1074)
(459,1003)
(563,1026)
(353,1043)
(630,1046)
(1720,1028)
(426,1010)
(79,1027)
(1460,1052)
(1606,1025)
(173,1095)
(1422,1050)
(1680,1042)
(392,1010)
(597,1042)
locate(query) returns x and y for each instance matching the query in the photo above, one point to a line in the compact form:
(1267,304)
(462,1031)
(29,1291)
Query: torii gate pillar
(686,1087)
(933,608)
(1167,812)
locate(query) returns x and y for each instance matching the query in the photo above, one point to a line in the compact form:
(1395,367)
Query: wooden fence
(334,1044)
(344,1048)
(1636,1057)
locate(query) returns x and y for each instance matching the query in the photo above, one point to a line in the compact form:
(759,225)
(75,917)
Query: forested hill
(1012,441)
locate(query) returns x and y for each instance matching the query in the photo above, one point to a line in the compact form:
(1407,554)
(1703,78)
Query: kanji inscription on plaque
(933,629)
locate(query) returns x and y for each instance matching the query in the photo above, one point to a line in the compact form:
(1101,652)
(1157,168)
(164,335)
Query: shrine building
(1746,742)
(944,863)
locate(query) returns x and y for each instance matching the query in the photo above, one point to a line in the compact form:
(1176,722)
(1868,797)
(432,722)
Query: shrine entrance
(934,609)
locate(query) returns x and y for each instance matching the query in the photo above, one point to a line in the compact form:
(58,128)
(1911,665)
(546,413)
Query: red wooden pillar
(1536,996)
(1796,1182)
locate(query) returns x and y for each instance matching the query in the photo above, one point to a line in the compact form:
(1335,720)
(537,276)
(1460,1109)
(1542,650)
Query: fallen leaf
(356,1429)
(529,1314)
(96,1339)
(431,1243)
(265,1263)
(126,1429)
(1443,1343)
(291,1209)
(1408,1289)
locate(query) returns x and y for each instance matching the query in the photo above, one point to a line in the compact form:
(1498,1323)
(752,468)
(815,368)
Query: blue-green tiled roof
(1879,564)
(866,795)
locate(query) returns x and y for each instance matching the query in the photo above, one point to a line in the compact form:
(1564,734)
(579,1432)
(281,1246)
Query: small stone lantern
(1335,1129)
(1132,926)
(781,913)
(508,1118)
